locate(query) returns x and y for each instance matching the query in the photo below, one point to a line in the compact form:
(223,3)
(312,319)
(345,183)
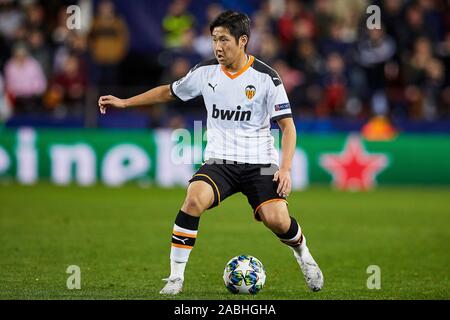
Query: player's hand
(283,177)
(110,101)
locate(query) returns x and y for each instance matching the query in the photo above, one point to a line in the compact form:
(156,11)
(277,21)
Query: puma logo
(182,240)
(214,88)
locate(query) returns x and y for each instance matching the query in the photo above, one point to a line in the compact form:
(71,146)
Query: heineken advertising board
(168,158)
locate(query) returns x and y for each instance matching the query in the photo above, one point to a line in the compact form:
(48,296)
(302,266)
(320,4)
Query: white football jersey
(240,107)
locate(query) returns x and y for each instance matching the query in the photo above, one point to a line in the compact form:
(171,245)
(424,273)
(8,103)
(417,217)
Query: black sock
(183,236)
(293,237)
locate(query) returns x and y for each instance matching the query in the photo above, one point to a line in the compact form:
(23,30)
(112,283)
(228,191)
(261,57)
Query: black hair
(236,22)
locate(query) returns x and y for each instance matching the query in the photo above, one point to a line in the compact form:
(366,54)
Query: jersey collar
(244,68)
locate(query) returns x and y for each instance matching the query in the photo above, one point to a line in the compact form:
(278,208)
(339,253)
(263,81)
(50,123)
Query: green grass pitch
(120,238)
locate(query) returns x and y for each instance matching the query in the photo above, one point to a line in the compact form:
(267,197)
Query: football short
(226,178)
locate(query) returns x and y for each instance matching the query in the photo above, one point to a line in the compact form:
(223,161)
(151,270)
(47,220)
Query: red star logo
(354,168)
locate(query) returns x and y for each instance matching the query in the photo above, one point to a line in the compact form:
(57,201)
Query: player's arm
(288,144)
(156,95)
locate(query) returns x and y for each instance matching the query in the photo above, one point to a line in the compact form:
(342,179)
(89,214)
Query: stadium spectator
(335,42)
(109,43)
(433,87)
(176,22)
(307,59)
(395,91)
(187,49)
(297,23)
(171,114)
(323,13)
(67,90)
(334,84)
(373,53)
(392,19)
(186,52)
(286,23)
(271,10)
(415,75)
(75,44)
(415,66)
(349,13)
(40,50)
(5,110)
(11,18)
(259,28)
(35,17)
(269,50)
(432,19)
(4,52)
(60,32)
(443,52)
(160,115)
(212,11)
(304,25)
(25,81)
(414,27)
(202,42)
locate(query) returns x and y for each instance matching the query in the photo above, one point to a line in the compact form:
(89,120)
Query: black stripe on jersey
(283,116)
(264,68)
(173,93)
(198,65)
(205,63)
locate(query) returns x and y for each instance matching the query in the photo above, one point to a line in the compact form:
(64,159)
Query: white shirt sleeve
(189,86)
(278,102)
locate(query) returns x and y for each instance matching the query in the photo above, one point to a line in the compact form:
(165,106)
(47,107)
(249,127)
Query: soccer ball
(244,274)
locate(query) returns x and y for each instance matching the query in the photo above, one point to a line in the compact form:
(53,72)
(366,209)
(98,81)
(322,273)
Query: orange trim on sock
(181,234)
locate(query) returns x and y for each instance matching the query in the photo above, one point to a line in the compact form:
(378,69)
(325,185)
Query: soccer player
(242,95)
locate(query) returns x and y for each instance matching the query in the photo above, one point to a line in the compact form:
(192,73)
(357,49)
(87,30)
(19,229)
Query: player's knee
(275,220)
(193,205)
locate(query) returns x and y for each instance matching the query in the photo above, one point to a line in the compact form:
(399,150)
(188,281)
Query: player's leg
(200,196)
(275,216)
(211,184)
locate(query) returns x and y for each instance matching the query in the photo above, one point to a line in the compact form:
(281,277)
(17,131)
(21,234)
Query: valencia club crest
(250,92)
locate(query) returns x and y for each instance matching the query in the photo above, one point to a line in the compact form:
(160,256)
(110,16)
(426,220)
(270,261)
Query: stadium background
(380,98)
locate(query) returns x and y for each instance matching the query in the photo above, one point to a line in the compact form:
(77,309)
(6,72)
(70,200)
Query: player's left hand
(110,101)
(283,177)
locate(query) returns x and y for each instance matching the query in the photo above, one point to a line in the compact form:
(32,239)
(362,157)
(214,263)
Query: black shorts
(226,178)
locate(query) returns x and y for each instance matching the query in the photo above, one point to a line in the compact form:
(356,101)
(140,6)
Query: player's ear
(243,40)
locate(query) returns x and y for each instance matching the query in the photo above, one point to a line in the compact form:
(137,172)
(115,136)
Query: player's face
(225,47)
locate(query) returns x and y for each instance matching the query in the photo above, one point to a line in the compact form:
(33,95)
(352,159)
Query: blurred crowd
(331,63)
(47,66)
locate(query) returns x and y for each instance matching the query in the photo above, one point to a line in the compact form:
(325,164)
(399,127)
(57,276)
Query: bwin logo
(231,114)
